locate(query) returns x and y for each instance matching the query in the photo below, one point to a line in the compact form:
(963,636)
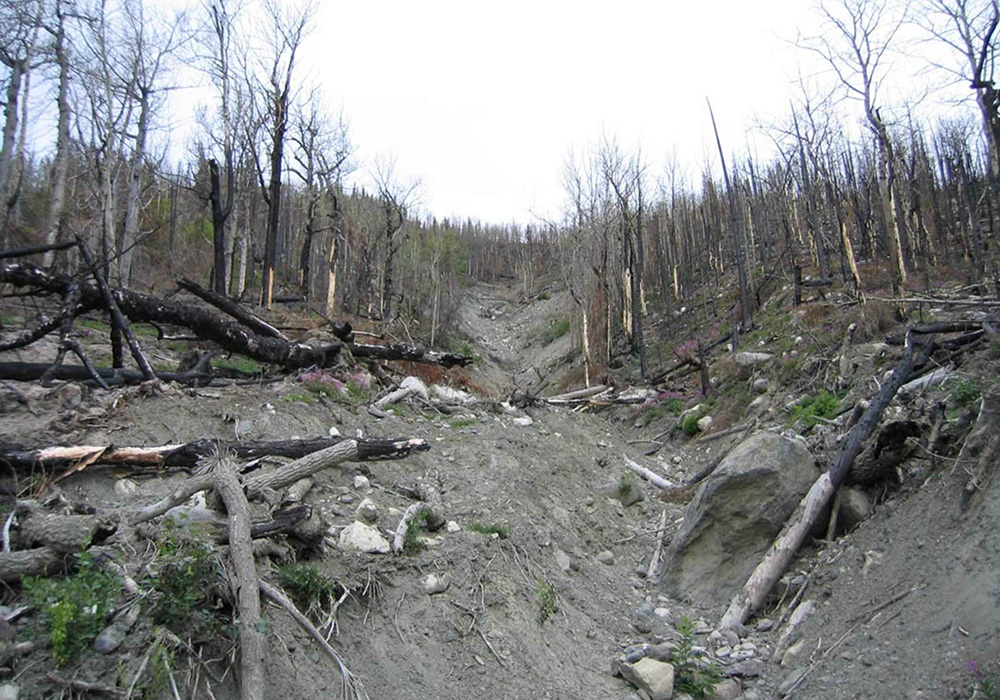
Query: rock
(126,487)
(367,511)
(7,632)
(633,494)
(10,691)
(728,689)
(749,668)
(361,483)
(760,385)
(735,516)
(661,651)
(562,560)
(377,412)
(793,655)
(763,625)
(114,634)
(359,537)
(656,678)
(333,431)
(434,585)
(606,557)
(633,655)
(705,423)
(662,613)
(452,526)
(790,680)
(854,507)
(748,360)
(523,421)
(758,404)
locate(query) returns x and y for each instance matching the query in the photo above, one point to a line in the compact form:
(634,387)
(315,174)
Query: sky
(483,101)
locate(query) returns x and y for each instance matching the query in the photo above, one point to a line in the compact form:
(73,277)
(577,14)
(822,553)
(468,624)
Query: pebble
(333,432)
(606,557)
(452,526)
(126,487)
(523,421)
(434,585)
(367,511)
(361,483)
(764,625)
(634,655)
(662,613)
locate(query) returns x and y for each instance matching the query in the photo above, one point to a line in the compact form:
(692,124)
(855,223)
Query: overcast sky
(484,100)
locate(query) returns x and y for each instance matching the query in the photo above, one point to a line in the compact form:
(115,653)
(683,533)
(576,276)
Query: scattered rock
(633,655)
(606,557)
(728,689)
(126,487)
(10,691)
(452,526)
(434,585)
(761,385)
(790,680)
(661,651)
(359,537)
(523,421)
(562,559)
(367,511)
(748,360)
(705,423)
(749,668)
(763,625)
(854,507)
(114,634)
(656,678)
(735,516)
(361,483)
(793,655)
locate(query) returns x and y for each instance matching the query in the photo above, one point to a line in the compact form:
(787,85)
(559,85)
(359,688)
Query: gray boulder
(656,678)
(735,516)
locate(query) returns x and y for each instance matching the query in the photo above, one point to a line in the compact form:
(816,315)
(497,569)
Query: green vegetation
(822,405)
(188,569)
(238,363)
(690,424)
(501,531)
(674,407)
(546,594)
(463,422)
(994,351)
(690,676)
(965,392)
(93,324)
(74,609)
(556,330)
(307,586)
(543,296)
(412,543)
(625,484)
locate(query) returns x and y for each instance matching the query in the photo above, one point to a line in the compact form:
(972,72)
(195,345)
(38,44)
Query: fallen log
(244,580)
(233,309)
(109,376)
(777,558)
(188,455)
(649,475)
(409,353)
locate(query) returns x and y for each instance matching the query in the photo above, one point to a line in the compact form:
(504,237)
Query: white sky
(484,100)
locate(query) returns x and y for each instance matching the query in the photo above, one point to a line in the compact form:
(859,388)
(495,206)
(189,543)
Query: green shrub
(822,405)
(674,407)
(547,605)
(238,364)
(690,424)
(307,586)
(625,484)
(691,676)
(501,530)
(412,543)
(965,392)
(74,609)
(556,331)
(994,352)
(184,581)
(543,296)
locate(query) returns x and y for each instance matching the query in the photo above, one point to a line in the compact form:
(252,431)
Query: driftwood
(650,476)
(399,539)
(777,558)
(244,580)
(188,455)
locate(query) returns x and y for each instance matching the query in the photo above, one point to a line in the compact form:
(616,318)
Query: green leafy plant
(547,604)
(543,296)
(188,569)
(994,351)
(238,363)
(502,531)
(412,543)
(690,424)
(463,422)
(625,484)
(74,609)
(691,675)
(556,330)
(965,392)
(822,405)
(308,587)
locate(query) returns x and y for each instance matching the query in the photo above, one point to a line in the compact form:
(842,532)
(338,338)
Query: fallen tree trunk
(233,309)
(33,371)
(812,506)
(409,353)
(650,476)
(188,454)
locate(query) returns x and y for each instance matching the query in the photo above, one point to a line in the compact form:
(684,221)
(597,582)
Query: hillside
(545,567)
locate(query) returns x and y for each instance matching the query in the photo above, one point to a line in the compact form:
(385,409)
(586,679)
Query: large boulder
(735,516)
